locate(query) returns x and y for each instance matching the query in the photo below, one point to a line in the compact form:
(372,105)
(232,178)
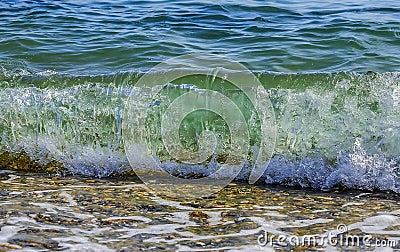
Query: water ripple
(95,37)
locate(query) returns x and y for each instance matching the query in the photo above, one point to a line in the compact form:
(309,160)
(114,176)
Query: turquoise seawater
(100,37)
(330,70)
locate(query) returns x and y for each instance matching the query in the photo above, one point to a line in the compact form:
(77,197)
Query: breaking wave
(334,129)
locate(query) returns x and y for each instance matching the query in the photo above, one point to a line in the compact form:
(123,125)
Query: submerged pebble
(121,215)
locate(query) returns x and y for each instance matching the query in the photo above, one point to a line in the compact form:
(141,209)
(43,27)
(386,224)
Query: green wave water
(338,128)
(330,70)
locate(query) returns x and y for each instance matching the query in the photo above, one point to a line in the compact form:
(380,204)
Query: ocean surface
(330,70)
(104,37)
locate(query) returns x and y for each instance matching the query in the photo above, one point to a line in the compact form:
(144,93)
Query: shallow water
(42,213)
